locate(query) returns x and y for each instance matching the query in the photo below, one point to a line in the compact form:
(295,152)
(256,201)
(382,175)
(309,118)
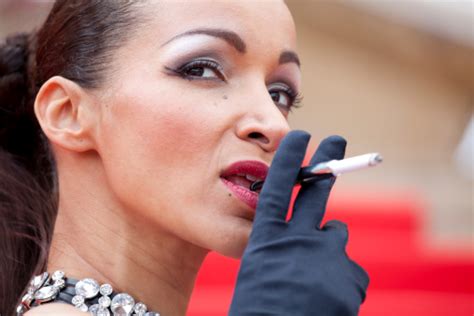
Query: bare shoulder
(55,309)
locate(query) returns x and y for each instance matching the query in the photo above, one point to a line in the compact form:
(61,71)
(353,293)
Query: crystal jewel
(57,275)
(87,288)
(93,309)
(101,311)
(21,309)
(77,300)
(82,307)
(60,283)
(106,289)
(27,298)
(122,304)
(104,301)
(46,288)
(46,293)
(140,308)
(38,281)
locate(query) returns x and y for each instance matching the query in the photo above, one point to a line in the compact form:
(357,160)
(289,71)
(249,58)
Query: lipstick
(328,169)
(240,175)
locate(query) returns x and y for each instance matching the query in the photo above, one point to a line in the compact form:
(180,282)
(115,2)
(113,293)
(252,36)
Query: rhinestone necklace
(86,295)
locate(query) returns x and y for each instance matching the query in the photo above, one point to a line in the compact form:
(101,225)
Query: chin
(237,252)
(233,253)
(233,247)
(232,241)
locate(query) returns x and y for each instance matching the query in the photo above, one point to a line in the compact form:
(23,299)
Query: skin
(139,160)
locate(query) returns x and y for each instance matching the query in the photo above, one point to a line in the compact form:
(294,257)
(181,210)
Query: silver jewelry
(86,295)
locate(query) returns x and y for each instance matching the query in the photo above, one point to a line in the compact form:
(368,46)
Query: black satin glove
(297,267)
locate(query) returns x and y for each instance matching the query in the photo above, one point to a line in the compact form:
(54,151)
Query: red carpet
(407,277)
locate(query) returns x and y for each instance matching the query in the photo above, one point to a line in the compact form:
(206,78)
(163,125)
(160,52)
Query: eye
(281,97)
(203,69)
(284,97)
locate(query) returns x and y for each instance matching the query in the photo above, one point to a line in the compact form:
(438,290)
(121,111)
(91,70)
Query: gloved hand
(297,268)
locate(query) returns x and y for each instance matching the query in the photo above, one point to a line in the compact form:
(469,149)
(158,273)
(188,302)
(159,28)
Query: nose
(263,124)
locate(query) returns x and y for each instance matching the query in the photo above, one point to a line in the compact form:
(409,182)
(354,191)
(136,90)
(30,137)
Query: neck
(95,236)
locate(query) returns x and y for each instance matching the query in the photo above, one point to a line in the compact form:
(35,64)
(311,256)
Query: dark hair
(76,42)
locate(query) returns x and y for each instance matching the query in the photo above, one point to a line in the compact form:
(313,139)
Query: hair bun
(13,74)
(13,54)
(18,125)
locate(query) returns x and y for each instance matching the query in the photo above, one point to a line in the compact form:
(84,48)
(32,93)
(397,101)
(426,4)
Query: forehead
(262,24)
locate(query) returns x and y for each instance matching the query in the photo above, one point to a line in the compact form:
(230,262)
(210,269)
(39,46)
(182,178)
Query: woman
(144,124)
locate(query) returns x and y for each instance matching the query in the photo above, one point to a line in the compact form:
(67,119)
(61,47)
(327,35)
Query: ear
(64,111)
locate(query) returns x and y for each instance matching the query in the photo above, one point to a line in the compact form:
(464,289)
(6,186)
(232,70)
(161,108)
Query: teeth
(248,177)
(251,178)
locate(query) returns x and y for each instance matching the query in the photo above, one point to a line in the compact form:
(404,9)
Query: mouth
(240,175)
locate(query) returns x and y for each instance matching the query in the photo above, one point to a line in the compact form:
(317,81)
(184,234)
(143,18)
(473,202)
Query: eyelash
(295,97)
(182,71)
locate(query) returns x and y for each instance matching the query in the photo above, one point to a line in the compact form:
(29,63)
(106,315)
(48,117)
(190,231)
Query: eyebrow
(235,41)
(230,37)
(288,56)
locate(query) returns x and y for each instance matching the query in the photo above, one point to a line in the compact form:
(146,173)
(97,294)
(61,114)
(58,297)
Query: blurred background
(394,77)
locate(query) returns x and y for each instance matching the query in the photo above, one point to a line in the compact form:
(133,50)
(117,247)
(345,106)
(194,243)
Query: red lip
(252,168)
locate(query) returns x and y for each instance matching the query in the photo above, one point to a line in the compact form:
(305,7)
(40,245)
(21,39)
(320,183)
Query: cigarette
(333,168)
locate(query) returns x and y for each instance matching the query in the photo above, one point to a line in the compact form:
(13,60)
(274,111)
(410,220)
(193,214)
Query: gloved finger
(338,230)
(362,277)
(276,193)
(310,205)
(340,235)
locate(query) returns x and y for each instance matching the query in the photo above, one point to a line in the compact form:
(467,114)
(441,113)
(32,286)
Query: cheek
(162,161)
(152,150)
(160,134)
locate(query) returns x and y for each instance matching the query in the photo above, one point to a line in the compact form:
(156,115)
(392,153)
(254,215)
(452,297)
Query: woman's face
(202,85)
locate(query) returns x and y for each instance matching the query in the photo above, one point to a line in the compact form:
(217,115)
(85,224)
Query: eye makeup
(208,64)
(198,51)
(291,99)
(199,69)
